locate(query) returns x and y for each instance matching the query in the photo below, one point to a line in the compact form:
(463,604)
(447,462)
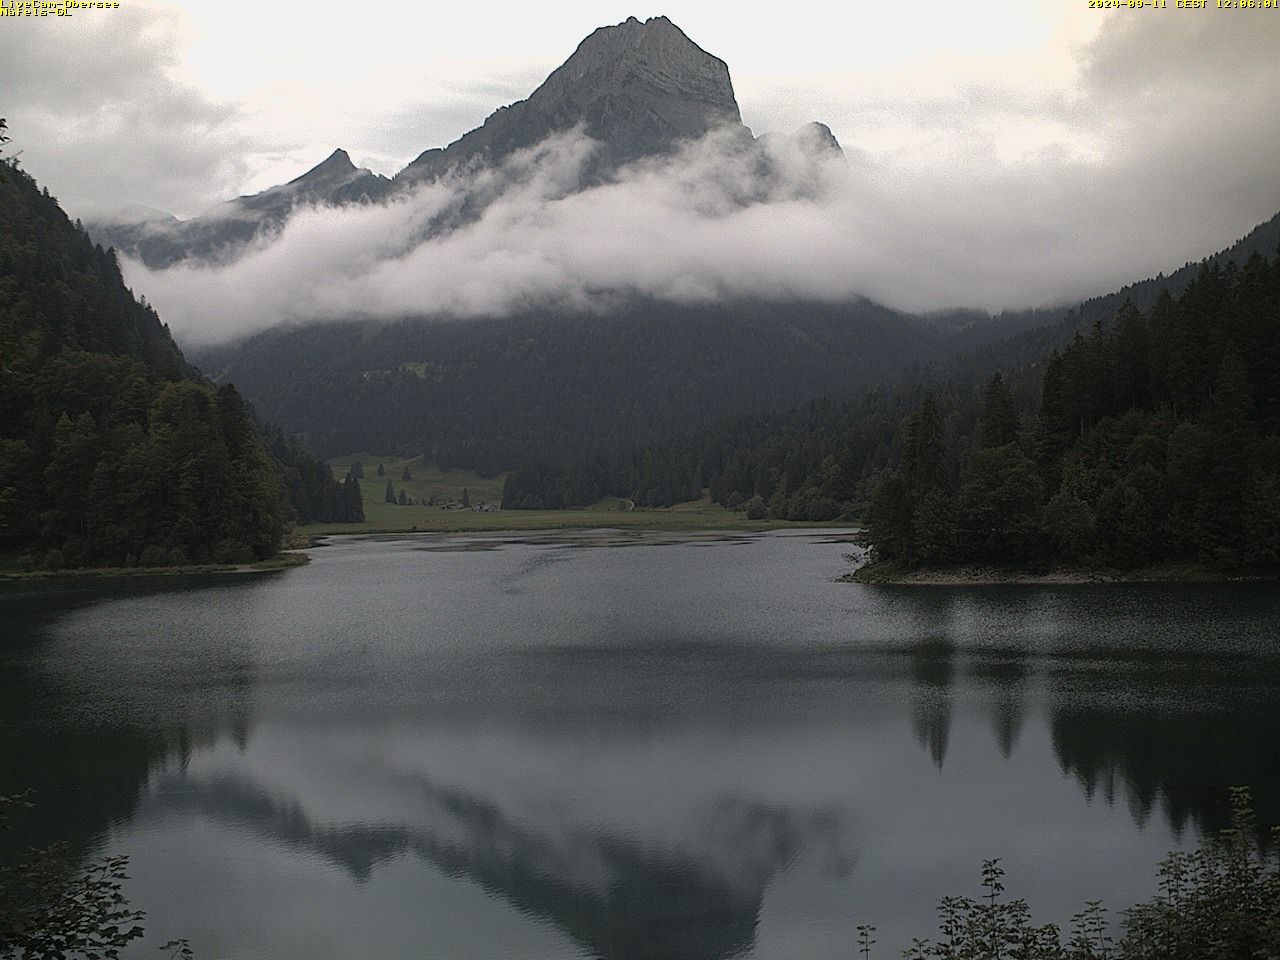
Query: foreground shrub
(50,908)
(1218,902)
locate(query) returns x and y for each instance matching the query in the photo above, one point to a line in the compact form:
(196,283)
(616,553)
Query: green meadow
(446,516)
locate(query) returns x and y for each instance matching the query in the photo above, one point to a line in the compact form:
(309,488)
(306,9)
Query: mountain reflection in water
(768,774)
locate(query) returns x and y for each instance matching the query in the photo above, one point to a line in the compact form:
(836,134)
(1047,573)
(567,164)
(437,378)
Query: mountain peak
(819,138)
(653,61)
(337,165)
(638,88)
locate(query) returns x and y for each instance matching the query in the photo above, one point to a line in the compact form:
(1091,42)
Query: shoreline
(508,521)
(285,560)
(576,533)
(982,576)
(448,541)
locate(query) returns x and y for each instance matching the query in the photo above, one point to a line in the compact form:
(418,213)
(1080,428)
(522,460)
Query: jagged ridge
(639,89)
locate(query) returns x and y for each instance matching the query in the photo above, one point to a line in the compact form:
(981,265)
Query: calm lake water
(471,748)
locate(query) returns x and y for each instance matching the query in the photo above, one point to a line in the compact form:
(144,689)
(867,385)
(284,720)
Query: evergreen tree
(924,463)
(999,418)
(466,498)
(1260,519)
(1130,360)
(390,495)
(891,519)
(1228,422)
(353,502)
(998,505)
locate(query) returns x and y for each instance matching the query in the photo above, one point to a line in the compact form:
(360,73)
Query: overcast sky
(1108,145)
(228,96)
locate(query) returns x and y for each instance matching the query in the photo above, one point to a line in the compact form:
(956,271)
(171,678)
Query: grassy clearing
(695,515)
(428,481)
(432,520)
(447,487)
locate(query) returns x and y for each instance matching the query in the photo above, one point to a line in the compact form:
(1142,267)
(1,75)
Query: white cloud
(100,112)
(1039,164)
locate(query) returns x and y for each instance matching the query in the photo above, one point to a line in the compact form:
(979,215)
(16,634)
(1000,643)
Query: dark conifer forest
(1152,436)
(1156,437)
(114,451)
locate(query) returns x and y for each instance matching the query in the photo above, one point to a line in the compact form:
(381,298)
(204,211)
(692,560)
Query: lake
(626,747)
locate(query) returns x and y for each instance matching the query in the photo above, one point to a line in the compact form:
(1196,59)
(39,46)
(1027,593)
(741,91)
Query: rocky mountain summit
(639,89)
(160,240)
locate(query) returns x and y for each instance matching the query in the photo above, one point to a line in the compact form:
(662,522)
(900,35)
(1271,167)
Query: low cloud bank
(1145,168)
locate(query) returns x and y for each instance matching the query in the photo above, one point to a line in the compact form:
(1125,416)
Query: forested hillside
(1032,335)
(112,450)
(1157,438)
(493,394)
(813,462)
(806,463)
(655,401)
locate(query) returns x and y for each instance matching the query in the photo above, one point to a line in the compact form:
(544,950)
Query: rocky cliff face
(638,88)
(336,180)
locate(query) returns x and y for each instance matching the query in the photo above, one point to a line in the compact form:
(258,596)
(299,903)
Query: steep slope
(1156,439)
(816,461)
(539,389)
(110,451)
(638,88)
(113,450)
(1030,337)
(161,241)
(490,394)
(59,291)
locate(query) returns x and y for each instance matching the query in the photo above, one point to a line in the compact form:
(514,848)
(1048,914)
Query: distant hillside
(61,292)
(491,394)
(820,460)
(542,388)
(160,240)
(1032,340)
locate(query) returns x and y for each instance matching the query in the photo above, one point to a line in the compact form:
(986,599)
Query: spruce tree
(924,464)
(999,418)
(353,502)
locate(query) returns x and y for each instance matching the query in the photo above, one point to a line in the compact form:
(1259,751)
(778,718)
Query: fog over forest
(989,193)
